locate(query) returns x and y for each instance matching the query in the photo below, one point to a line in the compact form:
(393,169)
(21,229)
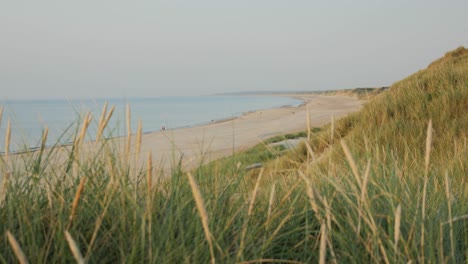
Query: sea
(63,118)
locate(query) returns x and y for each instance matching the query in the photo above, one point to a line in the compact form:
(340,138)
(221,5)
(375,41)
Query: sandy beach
(208,142)
(200,144)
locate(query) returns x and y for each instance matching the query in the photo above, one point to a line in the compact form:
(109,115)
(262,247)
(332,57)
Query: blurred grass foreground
(387,184)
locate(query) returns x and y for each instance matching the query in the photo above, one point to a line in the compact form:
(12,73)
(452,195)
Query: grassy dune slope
(429,182)
(377,186)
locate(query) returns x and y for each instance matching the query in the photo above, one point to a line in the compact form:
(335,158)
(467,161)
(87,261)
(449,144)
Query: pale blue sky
(65,49)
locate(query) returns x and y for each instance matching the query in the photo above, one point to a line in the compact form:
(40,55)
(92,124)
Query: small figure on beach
(163,128)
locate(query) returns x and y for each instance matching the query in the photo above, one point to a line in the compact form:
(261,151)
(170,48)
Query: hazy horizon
(57,50)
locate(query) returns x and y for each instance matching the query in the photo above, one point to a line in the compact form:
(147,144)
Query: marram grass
(385,185)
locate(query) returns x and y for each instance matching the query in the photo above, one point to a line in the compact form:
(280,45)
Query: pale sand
(205,143)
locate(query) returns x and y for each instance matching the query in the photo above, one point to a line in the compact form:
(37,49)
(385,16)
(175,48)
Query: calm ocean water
(62,117)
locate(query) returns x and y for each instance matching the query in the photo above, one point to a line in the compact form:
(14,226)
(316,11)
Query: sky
(94,49)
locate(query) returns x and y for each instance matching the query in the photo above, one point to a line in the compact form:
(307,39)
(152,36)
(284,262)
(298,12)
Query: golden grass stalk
(6,177)
(382,250)
(249,213)
(138,140)
(149,172)
(396,236)
(287,196)
(129,132)
(202,213)
(133,172)
(16,248)
(270,202)
(103,113)
(44,137)
(329,217)
(428,146)
(331,143)
(103,122)
(74,248)
(351,162)
(107,201)
(277,230)
(366,181)
(109,115)
(7,141)
(254,193)
(323,244)
(310,151)
(1,115)
(456,219)
(84,127)
(309,129)
(449,204)
(76,200)
(375,232)
(332,130)
(282,223)
(149,181)
(80,138)
(310,193)
(112,171)
(363,195)
(49,197)
(426,172)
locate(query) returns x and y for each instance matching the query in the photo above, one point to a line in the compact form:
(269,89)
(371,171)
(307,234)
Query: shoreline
(195,145)
(116,137)
(227,119)
(200,144)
